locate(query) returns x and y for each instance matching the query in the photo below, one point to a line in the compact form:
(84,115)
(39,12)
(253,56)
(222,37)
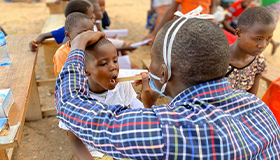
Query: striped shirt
(206,121)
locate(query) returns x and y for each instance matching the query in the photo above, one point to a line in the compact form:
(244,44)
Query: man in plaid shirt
(206,119)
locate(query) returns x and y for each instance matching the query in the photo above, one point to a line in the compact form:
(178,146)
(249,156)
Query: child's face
(81,26)
(102,5)
(90,13)
(103,69)
(256,39)
(98,13)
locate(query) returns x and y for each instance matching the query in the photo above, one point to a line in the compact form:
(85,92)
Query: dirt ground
(43,139)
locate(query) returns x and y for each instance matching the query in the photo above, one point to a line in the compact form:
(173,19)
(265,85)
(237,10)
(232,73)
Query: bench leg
(34,108)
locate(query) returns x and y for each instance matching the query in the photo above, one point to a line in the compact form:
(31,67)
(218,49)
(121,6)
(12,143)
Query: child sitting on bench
(102,69)
(254,31)
(59,34)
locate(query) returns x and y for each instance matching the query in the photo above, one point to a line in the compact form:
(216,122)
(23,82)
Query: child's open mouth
(113,80)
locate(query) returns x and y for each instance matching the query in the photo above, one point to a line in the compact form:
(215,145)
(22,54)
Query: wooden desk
(20,78)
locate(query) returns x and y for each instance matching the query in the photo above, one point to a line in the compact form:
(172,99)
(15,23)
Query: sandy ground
(43,139)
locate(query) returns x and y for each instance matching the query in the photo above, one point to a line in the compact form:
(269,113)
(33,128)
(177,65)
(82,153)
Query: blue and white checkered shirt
(206,121)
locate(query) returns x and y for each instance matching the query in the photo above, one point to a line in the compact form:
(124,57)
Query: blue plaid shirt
(206,121)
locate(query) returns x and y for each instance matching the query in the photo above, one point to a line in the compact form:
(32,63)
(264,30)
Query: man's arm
(168,15)
(114,130)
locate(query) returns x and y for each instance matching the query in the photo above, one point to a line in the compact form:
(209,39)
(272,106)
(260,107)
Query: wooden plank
(47,82)
(56,8)
(17,76)
(10,153)
(33,111)
(50,47)
(3,155)
(54,21)
(48,112)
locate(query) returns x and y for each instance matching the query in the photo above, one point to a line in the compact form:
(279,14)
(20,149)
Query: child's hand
(148,96)
(34,45)
(128,48)
(152,36)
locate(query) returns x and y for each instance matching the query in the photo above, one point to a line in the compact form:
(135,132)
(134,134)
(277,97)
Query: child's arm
(126,48)
(34,44)
(214,5)
(78,147)
(98,26)
(227,25)
(255,87)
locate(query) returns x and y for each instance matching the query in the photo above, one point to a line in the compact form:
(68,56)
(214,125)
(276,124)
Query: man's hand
(86,38)
(33,45)
(148,96)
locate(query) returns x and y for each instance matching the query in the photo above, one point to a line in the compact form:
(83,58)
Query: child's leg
(274,46)
(78,148)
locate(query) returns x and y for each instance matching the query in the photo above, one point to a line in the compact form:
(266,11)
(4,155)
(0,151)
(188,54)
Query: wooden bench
(56,8)
(19,76)
(54,21)
(271,75)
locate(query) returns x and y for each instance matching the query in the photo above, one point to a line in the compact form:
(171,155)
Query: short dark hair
(91,49)
(81,6)
(252,15)
(72,19)
(200,51)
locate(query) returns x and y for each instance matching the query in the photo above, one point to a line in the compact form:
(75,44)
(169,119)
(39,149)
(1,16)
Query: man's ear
(164,74)
(86,71)
(67,35)
(237,32)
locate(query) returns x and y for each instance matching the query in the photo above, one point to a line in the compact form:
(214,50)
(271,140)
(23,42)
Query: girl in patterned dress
(254,32)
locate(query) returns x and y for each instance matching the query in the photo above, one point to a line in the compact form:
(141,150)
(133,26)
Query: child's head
(77,23)
(81,6)
(102,5)
(97,11)
(254,30)
(246,3)
(200,52)
(101,65)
